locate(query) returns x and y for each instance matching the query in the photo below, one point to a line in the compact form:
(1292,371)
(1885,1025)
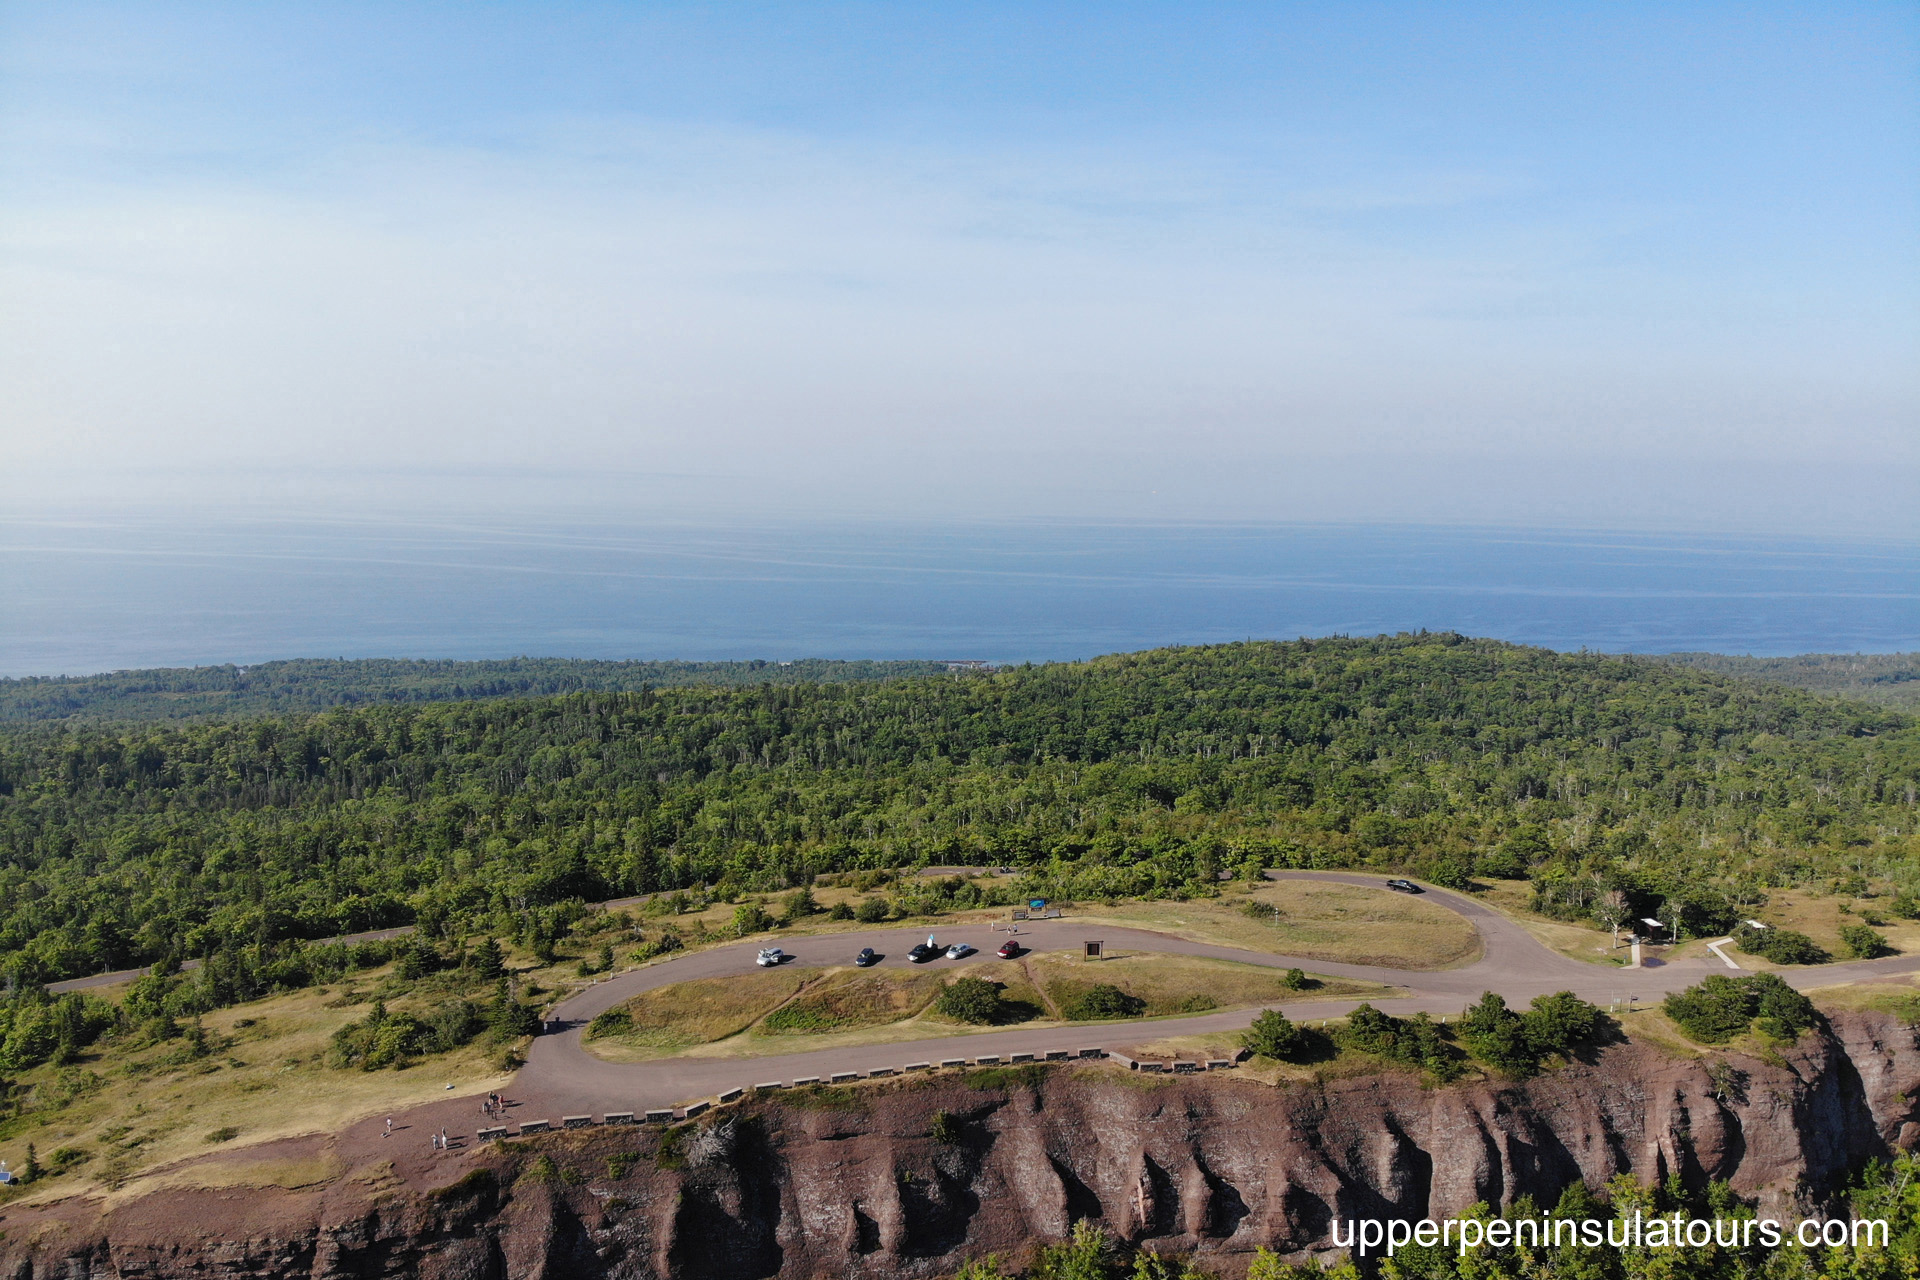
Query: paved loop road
(562,1078)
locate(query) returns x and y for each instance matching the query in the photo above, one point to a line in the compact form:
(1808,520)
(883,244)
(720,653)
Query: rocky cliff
(907,1179)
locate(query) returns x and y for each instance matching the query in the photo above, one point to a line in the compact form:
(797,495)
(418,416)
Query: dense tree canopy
(1143,773)
(314,684)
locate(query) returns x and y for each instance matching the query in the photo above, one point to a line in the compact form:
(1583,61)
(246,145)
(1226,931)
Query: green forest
(1887,679)
(314,684)
(1134,775)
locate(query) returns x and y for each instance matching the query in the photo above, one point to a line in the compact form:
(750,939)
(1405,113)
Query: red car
(1008,949)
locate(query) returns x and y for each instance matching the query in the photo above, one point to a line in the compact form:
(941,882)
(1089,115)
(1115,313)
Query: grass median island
(1158,985)
(1345,924)
(782,1011)
(700,1011)
(847,999)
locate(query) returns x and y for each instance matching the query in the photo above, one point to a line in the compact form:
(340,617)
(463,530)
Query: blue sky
(1640,264)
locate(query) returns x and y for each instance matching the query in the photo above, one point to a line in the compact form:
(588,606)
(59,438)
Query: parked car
(866,957)
(1008,949)
(1404,886)
(923,951)
(770,957)
(959,951)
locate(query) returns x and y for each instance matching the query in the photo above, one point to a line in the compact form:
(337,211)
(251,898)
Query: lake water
(86,595)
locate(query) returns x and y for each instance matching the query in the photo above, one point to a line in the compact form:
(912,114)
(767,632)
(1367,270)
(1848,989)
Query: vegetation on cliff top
(1142,774)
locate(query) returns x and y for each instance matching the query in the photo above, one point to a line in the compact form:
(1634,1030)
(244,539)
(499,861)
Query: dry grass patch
(1346,924)
(1168,985)
(1899,996)
(707,1009)
(847,999)
(131,1111)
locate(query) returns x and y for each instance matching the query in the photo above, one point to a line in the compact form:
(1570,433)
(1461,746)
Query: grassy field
(1346,924)
(1172,985)
(708,1009)
(848,999)
(1818,915)
(830,1008)
(265,1077)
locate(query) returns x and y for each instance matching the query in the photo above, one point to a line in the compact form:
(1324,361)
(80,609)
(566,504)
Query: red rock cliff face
(863,1189)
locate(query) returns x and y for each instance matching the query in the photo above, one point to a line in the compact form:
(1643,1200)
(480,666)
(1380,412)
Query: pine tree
(488,960)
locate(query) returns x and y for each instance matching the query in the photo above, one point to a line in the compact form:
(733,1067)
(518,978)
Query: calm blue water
(84,596)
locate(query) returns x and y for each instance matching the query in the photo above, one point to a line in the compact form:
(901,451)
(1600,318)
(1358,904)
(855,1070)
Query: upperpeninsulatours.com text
(1670,1231)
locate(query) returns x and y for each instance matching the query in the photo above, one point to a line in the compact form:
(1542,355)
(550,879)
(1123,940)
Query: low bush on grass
(1101,1002)
(387,1039)
(797,1018)
(1272,1035)
(1782,946)
(973,1000)
(1862,942)
(613,1022)
(1720,1008)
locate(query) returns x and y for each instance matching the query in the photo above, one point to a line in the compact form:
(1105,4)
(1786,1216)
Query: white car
(770,958)
(959,950)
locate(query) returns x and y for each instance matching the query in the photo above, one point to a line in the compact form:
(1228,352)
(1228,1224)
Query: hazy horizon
(92,594)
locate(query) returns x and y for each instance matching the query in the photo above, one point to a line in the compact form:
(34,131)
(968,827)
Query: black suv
(922,953)
(866,957)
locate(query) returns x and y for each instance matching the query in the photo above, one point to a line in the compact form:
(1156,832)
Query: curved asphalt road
(562,1078)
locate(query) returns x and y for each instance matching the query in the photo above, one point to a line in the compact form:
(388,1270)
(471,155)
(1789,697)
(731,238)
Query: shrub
(1782,946)
(381,1039)
(945,1130)
(1499,1036)
(1272,1035)
(226,1134)
(65,1158)
(488,961)
(841,911)
(1297,980)
(418,958)
(750,917)
(507,1019)
(1416,1042)
(798,1017)
(1719,1008)
(1862,943)
(664,942)
(1558,1022)
(614,1022)
(1515,1043)
(972,1000)
(1104,1000)
(872,911)
(1783,1012)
